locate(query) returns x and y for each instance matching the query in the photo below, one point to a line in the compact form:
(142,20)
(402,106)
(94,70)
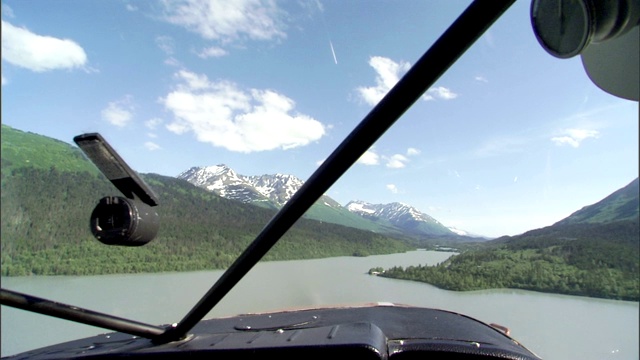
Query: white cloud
(388,73)
(212,51)
(151,146)
(573,137)
(39,53)
(397,161)
(130,7)
(439,92)
(392,188)
(227,21)
(119,113)
(369,158)
(481,78)
(222,114)
(4,80)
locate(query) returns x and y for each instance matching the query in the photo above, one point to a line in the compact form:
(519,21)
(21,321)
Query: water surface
(553,326)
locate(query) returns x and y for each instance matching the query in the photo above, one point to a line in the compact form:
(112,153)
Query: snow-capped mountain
(275,190)
(225,182)
(400,215)
(279,188)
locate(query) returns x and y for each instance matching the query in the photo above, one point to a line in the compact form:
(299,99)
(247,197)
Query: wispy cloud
(171,61)
(573,137)
(439,92)
(228,21)
(151,146)
(166,44)
(500,146)
(212,51)
(481,78)
(153,123)
(388,73)
(7,11)
(39,53)
(393,188)
(119,113)
(224,115)
(396,161)
(4,80)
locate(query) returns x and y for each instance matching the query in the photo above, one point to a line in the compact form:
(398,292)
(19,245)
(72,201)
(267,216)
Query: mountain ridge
(275,190)
(401,215)
(622,204)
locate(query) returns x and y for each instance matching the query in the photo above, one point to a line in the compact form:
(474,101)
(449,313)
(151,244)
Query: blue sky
(509,140)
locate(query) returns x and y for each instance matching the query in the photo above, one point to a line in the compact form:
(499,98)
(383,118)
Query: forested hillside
(45,229)
(594,252)
(49,190)
(594,260)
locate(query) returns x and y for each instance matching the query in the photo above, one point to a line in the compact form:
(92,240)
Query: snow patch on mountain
(401,215)
(222,180)
(458,231)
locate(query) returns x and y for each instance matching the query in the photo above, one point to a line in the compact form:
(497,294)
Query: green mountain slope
(620,205)
(20,149)
(332,212)
(594,252)
(46,208)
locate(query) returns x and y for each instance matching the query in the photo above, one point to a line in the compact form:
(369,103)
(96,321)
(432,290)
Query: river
(553,326)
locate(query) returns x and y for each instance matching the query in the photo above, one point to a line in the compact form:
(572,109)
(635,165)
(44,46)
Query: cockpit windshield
(227,109)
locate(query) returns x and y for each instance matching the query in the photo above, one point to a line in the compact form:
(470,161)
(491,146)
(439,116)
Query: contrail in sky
(333,52)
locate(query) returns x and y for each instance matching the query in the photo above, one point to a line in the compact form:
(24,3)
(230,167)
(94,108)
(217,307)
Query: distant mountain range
(400,215)
(275,190)
(270,190)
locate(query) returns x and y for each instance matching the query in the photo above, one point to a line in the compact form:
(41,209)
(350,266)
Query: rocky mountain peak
(277,189)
